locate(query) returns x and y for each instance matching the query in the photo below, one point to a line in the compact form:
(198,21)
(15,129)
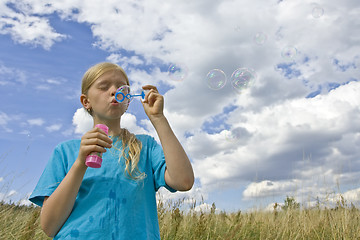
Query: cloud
(7,196)
(83,122)
(53,128)
(280,136)
(129,122)
(36,121)
(25,27)
(7,119)
(192,199)
(4,120)
(11,76)
(266,188)
(50,83)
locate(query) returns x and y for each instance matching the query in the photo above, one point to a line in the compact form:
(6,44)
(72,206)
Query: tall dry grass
(21,222)
(337,223)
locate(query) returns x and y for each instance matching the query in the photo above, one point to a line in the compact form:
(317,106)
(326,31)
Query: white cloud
(53,128)
(320,127)
(25,201)
(7,119)
(129,122)
(124,61)
(8,196)
(266,188)
(26,27)
(352,195)
(4,120)
(36,121)
(82,121)
(50,83)
(11,76)
(194,199)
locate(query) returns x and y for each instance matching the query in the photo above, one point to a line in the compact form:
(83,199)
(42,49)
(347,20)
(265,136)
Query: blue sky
(292,131)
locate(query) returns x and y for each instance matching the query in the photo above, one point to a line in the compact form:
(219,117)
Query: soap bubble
(123,94)
(242,78)
(260,38)
(216,79)
(317,12)
(289,52)
(178,72)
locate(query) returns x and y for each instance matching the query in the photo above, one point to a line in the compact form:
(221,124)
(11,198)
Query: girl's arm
(179,173)
(58,206)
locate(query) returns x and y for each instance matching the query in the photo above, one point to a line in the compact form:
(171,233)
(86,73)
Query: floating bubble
(216,79)
(260,38)
(289,52)
(242,78)
(317,12)
(178,72)
(123,95)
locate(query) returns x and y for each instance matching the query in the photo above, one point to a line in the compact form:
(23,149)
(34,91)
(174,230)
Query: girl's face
(101,96)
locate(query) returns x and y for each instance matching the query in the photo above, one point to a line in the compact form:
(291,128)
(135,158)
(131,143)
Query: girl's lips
(114,102)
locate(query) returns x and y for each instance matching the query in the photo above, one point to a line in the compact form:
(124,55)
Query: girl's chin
(112,116)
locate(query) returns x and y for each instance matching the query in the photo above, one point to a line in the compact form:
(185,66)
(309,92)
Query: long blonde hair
(131,146)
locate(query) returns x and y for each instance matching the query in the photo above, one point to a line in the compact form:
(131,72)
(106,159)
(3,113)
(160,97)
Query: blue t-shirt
(109,204)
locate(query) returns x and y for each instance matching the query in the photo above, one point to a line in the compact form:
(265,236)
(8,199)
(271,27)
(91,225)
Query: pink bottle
(94,159)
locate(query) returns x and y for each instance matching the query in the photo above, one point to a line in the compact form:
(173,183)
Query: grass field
(22,222)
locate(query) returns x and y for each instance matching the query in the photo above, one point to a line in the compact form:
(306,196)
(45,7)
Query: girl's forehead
(115,76)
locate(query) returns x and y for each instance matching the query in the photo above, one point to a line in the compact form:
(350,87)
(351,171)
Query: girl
(116,201)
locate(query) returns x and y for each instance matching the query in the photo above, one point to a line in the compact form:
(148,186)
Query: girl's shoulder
(145,139)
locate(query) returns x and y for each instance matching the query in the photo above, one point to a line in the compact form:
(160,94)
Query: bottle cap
(103,127)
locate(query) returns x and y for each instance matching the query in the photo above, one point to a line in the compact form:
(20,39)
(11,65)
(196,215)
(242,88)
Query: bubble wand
(124,93)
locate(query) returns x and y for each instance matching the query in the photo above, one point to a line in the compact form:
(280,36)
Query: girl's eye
(103,87)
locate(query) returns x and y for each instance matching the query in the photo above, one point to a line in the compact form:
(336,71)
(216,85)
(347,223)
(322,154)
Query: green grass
(21,222)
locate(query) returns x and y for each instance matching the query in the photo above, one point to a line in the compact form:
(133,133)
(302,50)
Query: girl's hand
(153,102)
(94,140)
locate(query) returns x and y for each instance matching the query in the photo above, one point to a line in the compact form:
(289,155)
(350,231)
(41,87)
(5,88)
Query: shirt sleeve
(158,165)
(50,179)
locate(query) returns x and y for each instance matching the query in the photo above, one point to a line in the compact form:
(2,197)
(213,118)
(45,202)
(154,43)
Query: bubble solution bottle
(94,159)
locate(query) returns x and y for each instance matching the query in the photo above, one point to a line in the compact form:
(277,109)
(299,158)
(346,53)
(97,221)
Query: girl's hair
(131,146)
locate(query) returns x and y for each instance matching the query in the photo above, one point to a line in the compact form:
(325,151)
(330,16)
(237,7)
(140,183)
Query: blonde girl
(116,201)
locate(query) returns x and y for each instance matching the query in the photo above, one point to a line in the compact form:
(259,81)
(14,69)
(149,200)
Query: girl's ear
(85,101)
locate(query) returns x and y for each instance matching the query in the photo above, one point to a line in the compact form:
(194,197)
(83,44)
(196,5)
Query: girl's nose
(113,91)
